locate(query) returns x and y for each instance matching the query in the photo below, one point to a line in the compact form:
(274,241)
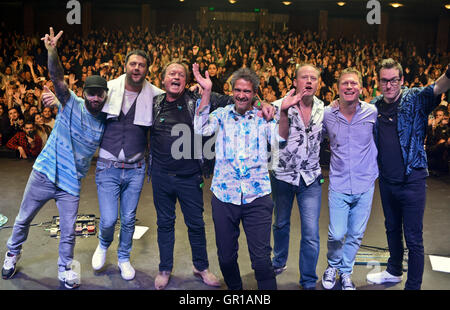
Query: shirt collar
(358,108)
(249,112)
(315,106)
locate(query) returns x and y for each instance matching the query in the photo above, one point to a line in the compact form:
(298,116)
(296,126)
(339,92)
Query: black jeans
(166,190)
(403,207)
(256,220)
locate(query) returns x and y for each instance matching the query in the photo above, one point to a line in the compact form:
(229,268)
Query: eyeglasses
(394,81)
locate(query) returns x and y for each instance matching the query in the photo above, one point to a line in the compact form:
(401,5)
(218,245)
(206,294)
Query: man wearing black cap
(60,166)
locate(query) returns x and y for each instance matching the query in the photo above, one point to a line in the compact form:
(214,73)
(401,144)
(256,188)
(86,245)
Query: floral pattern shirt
(241,150)
(299,157)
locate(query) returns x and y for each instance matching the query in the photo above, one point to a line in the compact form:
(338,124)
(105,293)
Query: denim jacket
(415,106)
(190,97)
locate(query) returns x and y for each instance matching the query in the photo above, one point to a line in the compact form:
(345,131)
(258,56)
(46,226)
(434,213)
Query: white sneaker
(126,270)
(383,277)
(9,266)
(99,257)
(70,278)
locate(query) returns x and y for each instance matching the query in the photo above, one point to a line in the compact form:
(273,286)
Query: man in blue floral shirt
(241,183)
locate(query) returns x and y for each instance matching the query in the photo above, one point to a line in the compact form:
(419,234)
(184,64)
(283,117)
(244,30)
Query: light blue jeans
(38,191)
(349,215)
(114,184)
(309,201)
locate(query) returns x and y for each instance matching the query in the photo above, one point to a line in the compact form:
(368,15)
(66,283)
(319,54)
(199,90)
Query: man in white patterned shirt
(298,175)
(241,183)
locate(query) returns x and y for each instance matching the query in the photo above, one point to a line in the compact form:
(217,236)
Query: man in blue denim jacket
(399,135)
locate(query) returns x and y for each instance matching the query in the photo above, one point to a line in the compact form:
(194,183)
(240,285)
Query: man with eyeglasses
(61,165)
(399,135)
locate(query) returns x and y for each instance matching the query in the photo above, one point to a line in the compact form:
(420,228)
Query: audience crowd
(274,56)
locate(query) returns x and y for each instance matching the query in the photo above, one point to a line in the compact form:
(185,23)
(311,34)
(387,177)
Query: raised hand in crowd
(48,97)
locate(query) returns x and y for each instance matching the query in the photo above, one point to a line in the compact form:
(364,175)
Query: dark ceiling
(429,7)
(422,8)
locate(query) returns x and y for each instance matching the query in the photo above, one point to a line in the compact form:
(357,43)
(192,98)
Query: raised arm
(206,84)
(290,100)
(55,68)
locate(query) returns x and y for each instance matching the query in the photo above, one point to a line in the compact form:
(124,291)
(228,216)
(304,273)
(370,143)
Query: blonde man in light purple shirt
(353,171)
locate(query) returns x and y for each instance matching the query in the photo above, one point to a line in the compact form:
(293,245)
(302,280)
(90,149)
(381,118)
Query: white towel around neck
(144,105)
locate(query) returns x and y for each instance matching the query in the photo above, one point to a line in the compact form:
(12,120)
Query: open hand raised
(205,82)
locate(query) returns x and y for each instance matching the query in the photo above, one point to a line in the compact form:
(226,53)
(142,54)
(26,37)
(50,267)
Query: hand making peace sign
(51,40)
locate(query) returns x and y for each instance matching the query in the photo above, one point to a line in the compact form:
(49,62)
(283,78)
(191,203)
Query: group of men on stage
(382,139)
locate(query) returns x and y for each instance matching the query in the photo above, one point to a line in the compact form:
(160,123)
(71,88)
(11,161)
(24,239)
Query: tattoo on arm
(57,75)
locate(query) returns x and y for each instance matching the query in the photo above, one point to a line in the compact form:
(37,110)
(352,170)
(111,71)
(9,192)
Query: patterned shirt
(299,157)
(241,171)
(412,114)
(353,163)
(67,155)
(20,139)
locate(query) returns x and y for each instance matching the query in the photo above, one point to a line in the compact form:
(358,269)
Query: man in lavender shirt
(353,172)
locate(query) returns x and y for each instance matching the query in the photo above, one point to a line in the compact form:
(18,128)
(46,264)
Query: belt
(121,165)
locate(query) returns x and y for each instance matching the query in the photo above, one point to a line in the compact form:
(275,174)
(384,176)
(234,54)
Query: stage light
(341,3)
(447,6)
(232,1)
(395,4)
(287,2)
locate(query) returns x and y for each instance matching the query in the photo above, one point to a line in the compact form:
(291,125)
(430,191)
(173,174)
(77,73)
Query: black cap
(95,81)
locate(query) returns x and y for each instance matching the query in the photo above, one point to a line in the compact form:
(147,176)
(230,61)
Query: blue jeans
(38,191)
(166,190)
(114,184)
(404,207)
(349,215)
(309,202)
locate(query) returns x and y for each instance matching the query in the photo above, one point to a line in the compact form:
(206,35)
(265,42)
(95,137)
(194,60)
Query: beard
(94,107)
(133,82)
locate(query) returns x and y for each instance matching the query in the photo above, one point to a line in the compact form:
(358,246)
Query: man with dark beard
(60,166)
(121,164)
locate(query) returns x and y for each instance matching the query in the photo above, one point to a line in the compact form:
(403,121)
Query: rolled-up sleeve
(205,124)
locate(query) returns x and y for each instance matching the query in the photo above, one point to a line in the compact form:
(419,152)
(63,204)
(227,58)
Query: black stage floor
(37,269)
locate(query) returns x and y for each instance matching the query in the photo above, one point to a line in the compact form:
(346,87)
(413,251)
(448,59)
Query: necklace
(304,119)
